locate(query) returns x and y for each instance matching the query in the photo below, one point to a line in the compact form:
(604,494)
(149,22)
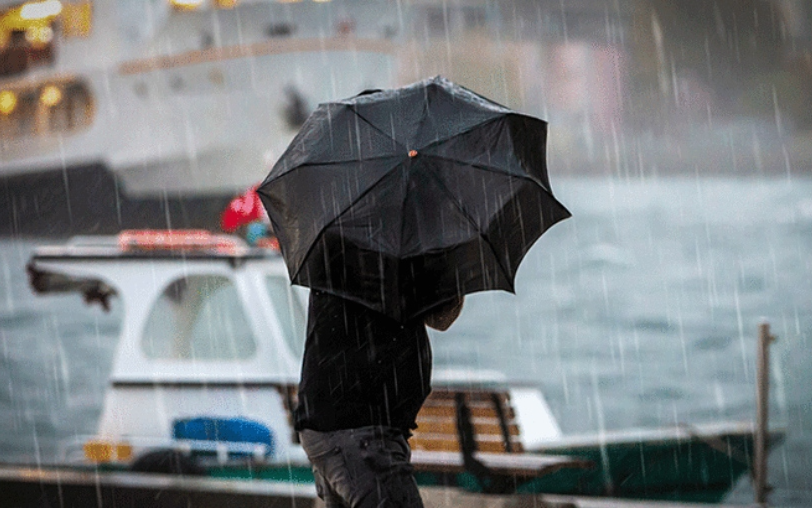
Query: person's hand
(441,318)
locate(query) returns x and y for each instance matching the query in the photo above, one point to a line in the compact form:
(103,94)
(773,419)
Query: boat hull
(699,469)
(90,199)
(42,487)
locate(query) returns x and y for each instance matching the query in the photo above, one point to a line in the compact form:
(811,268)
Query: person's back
(361,368)
(364,378)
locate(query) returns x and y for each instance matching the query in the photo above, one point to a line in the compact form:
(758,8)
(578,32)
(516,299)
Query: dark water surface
(641,310)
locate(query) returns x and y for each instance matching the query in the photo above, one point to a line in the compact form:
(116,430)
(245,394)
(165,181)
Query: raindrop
(740,324)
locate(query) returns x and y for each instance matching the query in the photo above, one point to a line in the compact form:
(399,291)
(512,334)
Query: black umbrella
(404,199)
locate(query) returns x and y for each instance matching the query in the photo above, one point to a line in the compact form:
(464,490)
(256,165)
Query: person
(364,378)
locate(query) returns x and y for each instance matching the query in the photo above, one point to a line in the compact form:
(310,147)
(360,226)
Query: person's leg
(379,459)
(326,493)
(328,463)
(367,467)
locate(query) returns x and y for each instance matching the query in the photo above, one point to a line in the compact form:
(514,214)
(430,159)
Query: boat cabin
(211,328)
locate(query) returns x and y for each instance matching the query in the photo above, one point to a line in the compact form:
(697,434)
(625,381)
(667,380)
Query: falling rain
(141,295)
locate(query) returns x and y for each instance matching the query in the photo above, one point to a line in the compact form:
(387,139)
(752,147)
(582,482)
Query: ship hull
(90,199)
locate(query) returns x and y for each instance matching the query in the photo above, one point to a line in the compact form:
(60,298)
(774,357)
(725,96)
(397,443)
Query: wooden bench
(476,431)
(494,422)
(485,419)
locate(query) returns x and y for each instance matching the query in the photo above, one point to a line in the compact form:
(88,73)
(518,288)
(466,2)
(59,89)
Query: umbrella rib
(460,133)
(420,122)
(425,113)
(375,127)
(332,163)
(470,219)
(338,216)
(426,109)
(491,169)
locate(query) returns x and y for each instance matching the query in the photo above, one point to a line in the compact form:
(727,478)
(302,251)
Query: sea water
(640,311)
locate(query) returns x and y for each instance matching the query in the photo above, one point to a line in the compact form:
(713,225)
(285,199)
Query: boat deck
(434,497)
(52,486)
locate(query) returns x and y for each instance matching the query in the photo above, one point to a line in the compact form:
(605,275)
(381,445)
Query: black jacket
(361,368)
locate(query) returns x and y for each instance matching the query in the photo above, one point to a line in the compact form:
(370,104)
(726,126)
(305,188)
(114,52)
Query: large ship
(155,112)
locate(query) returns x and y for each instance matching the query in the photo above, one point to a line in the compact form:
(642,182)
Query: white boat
(217,330)
(207,364)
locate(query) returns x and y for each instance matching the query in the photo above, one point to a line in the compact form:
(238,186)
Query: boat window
(43,109)
(289,311)
(199,317)
(29,32)
(77,19)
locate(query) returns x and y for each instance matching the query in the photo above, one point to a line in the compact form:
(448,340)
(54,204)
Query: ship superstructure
(189,96)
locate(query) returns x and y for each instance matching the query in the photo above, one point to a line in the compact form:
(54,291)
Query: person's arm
(442,318)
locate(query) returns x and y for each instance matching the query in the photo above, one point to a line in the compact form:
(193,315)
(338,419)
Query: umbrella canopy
(403,199)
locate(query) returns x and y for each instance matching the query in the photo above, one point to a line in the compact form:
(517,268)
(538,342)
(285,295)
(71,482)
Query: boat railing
(257,49)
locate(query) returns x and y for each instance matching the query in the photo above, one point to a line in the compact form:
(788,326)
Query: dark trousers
(367,467)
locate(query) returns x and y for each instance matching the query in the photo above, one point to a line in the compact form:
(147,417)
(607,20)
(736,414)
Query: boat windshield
(199,317)
(289,312)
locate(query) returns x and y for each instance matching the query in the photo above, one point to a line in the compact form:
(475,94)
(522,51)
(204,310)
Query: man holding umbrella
(390,206)
(364,378)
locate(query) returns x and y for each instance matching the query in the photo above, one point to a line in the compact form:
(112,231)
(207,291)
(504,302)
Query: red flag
(242,210)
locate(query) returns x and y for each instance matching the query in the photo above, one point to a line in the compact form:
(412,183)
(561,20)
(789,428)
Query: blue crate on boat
(224,430)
